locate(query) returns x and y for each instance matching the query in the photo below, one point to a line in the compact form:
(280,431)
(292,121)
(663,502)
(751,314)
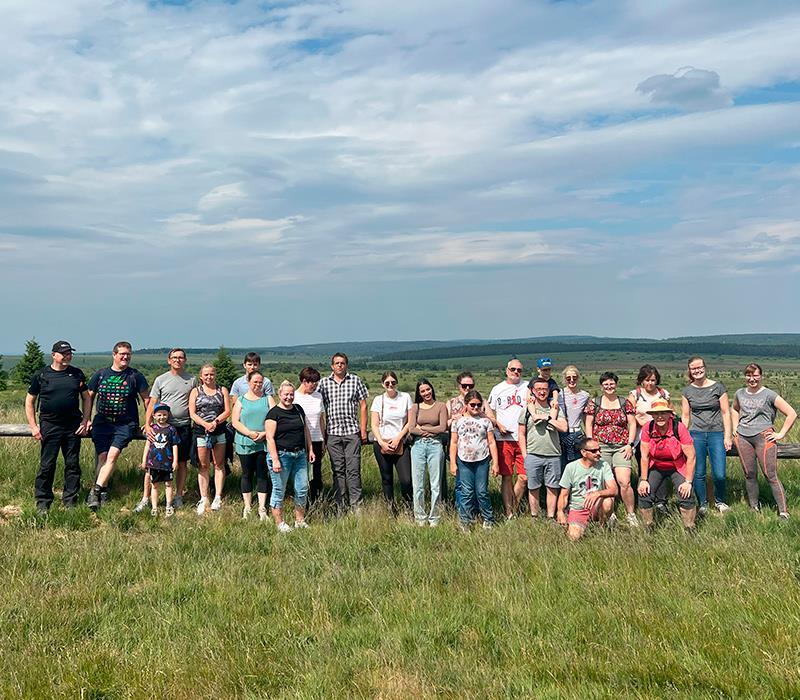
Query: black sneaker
(42,509)
(93,500)
(103,497)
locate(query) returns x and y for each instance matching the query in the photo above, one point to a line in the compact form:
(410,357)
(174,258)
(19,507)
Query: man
(65,410)
(588,485)
(505,403)
(544,369)
(539,426)
(344,396)
(173,388)
(116,422)
(252,362)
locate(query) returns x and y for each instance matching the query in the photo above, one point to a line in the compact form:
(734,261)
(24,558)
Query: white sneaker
(216,504)
(245,513)
(301,525)
(154,512)
(284,527)
(202,505)
(630,518)
(723,507)
(262,515)
(170,511)
(141,505)
(783,516)
(488,526)
(433,523)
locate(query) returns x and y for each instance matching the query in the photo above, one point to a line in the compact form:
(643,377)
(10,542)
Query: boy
(160,455)
(588,484)
(252,362)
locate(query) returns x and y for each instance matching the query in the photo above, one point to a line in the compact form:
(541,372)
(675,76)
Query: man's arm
(30,414)
(362,418)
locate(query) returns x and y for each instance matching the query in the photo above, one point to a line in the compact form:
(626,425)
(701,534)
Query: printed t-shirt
(507,401)
(252,415)
(665,450)
(756,411)
(704,404)
(610,424)
(541,438)
(392,412)
(313,407)
(473,441)
(289,427)
(581,480)
(240,387)
(159,456)
(574,403)
(644,403)
(59,393)
(117,393)
(173,390)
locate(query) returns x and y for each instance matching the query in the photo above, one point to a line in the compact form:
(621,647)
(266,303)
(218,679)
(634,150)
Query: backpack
(661,393)
(675,432)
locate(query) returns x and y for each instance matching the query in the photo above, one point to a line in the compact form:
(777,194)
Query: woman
(389,421)
(209,407)
(647,390)
(289,444)
(248,417)
(456,406)
(705,410)
(472,443)
(572,402)
(611,422)
(427,422)
(310,400)
(754,411)
(667,453)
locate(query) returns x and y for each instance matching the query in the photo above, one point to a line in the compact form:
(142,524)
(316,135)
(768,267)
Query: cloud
(221,196)
(688,88)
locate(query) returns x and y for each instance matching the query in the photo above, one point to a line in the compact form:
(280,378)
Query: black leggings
(657,478)
(315,484)
(386,466)
(255,463)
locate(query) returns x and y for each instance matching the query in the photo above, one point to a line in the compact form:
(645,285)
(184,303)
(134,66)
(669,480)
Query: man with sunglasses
(505,403)
(588,486)
(64,416)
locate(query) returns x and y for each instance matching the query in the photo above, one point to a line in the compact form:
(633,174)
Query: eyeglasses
(389,383)
(467,386)
(515,369)
(474,405)
(179,358)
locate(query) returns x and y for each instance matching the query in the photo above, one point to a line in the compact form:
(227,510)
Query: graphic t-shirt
(159,456)
(610,424)
(117,393)
(573,403)
(507,401)
(473,441)
(173,390)
(581,480)
(665,449)
(704,404)
(541,438)
(290,427)
(756,411)
(392,413)
(59,394)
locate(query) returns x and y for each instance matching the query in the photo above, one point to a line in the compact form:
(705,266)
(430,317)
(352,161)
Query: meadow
(122,605)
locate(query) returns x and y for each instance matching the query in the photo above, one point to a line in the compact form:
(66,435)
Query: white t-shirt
(312,405)
(393,413)
(507,401)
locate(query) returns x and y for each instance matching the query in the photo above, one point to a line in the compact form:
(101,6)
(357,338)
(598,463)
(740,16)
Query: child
(159,456)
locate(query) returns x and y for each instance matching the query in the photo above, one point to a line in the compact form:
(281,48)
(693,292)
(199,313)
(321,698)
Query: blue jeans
(294,467)
(711,444)
(427,455)
(474,483)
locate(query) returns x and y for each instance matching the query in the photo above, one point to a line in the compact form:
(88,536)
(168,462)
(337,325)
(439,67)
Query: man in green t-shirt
(588,485)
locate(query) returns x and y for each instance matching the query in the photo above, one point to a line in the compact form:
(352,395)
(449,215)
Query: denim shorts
(209,440)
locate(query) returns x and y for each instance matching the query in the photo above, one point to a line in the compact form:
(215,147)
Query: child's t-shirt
(159,457)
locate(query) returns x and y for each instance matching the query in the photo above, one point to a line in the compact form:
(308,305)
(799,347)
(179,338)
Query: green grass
(125,606)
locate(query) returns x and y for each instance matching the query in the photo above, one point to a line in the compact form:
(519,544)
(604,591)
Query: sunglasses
(515,369)
(390,384)
(571,379)
(594,451)
(467,386)
(474,405)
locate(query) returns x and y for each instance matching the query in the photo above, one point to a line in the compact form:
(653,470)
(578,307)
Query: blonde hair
(694,358)
(286,384)
(570,369)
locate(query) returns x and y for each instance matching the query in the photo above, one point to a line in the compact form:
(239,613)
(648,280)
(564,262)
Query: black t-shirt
(289,431)
(117,394)
(59,393)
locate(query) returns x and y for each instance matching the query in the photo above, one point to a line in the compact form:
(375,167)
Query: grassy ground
(122,605)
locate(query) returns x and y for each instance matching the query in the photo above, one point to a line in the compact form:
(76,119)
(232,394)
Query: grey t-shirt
(704,402)
(541,437)
(174,390)
(756,411)
(240,387)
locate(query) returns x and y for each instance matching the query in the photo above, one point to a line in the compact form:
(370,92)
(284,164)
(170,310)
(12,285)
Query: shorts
(543,470)
(509,456)
(159,476)
(106,435)
(211,440)
(185,444)
(614,455)
(582,516)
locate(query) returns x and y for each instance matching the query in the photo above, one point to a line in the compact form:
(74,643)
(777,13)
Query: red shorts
(582,516)
(509,456)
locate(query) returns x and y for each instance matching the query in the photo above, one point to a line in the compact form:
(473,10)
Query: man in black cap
(64,416)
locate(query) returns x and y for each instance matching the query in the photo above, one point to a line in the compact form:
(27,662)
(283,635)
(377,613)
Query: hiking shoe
(630,518)
(201,506)
(170,511)
(245,513)
(93,499)
(216,504)
(702,511)
(284,527)
(783,516)
(154,512)
(177,502)
(42,509)
(104,497)
(301,525)
(723,507)
(262,515)
(141,505)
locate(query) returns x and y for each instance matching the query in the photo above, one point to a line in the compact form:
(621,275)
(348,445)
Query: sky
(274,173)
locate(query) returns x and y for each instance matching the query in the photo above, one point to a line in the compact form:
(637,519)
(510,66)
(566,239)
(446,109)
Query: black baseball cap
(62,346)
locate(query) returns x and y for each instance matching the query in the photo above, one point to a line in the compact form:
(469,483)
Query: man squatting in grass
(65,411)
(117,389)
(160,455)
(588,486)
(172,388)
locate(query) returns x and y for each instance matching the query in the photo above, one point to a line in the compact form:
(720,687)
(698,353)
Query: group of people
(572,453)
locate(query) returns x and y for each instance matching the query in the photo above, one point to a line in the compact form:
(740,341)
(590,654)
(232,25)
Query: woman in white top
(389,421)
(572,400)
(310,400)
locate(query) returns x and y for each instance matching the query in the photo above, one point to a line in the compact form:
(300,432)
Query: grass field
(122,605)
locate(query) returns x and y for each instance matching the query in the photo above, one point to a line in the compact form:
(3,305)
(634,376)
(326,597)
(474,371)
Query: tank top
(208,407)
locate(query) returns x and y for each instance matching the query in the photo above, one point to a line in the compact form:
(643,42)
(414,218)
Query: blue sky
(254,173)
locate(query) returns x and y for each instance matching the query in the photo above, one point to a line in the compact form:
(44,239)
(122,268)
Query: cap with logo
(63,347)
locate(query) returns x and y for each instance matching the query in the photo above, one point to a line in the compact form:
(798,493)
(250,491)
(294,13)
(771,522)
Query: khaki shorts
(615,456)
